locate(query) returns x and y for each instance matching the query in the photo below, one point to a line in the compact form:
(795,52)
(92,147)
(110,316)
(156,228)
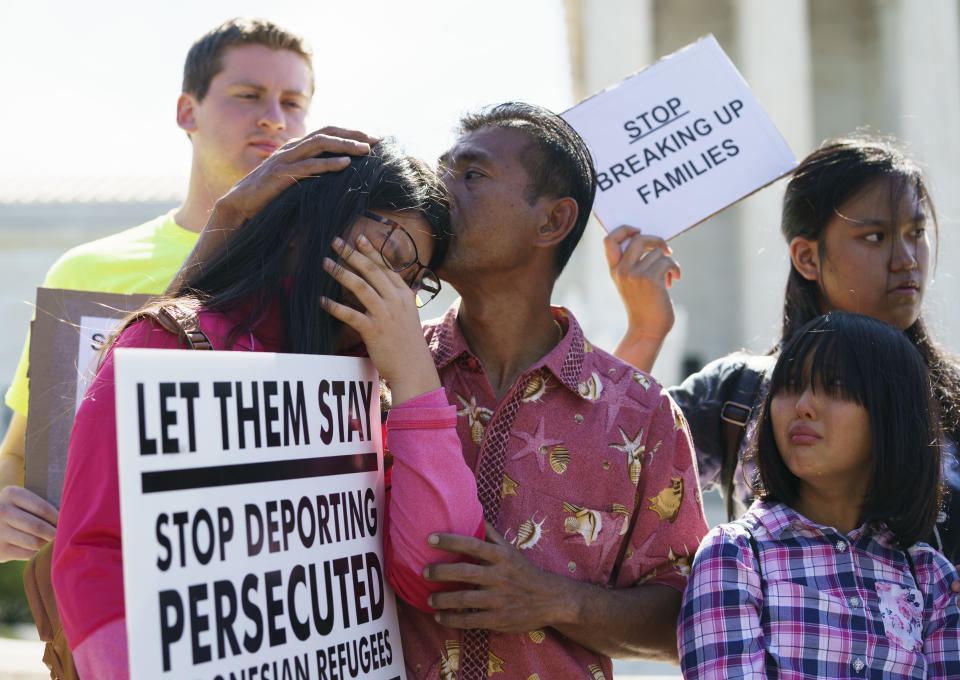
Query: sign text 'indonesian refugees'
(252,499)
(678,141)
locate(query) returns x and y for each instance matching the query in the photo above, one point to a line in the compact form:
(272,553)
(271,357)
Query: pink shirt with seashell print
(599,484)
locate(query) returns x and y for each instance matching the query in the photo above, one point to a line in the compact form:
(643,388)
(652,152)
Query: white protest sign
(93,335)
(252,498)
(678,141)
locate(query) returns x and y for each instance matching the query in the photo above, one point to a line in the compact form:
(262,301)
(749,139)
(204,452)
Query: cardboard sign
(678,141)
(252,498)
(65,340)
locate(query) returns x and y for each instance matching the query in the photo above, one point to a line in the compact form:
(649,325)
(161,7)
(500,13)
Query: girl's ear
(805,256)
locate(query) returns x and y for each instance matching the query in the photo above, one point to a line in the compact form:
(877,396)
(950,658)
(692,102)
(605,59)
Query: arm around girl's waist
(431,491)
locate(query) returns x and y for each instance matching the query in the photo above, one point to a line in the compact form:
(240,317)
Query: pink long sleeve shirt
(430,490)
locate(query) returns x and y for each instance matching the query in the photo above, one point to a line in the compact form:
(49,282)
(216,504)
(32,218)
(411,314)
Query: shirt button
(854,601)
(841,546)
(859,665)
(572,566)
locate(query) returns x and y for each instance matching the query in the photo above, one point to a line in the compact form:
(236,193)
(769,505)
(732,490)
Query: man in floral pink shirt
(584,465)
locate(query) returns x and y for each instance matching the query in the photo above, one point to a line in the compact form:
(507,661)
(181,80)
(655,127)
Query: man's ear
(186,113)
(560,217)
(805,256)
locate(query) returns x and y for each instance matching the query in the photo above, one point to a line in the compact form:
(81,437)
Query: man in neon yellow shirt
(247,85)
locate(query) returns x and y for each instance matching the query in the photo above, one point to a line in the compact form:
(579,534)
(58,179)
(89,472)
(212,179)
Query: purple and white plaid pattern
(828,605)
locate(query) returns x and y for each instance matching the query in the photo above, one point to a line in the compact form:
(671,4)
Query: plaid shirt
(826,605)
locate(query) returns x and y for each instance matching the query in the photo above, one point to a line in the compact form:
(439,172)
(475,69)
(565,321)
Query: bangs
(862,360)
(821,359)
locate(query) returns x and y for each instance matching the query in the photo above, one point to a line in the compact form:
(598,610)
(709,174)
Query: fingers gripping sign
(643,270)
(27,523)
(387,320)
(511,594)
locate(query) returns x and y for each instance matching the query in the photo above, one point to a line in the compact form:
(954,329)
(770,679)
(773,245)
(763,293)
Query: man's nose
(272,115)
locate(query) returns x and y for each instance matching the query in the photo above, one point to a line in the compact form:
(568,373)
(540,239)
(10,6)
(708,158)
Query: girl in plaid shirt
(824,576)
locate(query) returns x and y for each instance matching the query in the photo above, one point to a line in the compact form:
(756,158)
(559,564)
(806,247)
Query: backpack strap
(913,568)
(178,317)
(38,585)
(735,414)
(756,551)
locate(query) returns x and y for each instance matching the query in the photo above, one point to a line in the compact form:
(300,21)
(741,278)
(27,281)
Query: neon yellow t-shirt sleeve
(139,260)
(18,393)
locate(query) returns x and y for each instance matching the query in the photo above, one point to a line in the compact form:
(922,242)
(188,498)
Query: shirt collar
(565,360)
(778,518)
(775,518)
(448,342)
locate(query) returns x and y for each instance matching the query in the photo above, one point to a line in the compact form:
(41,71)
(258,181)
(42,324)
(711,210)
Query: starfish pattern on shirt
(634,450)
(534,443)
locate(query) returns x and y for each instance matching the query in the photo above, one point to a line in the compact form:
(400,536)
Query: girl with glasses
(825,576)
(328,267)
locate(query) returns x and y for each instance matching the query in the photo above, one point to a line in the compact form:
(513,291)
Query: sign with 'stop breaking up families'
(252,499)
(678,141)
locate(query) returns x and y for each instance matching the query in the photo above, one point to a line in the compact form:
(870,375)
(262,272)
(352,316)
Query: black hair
(559,166)
(821,184)
(860,359)
(274,262)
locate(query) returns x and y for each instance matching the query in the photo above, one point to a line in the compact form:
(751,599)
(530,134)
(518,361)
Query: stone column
(607,42)
(923,41)
(773,53)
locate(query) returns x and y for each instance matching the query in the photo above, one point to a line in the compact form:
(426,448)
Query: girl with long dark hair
(333,265)
(825,576)
(857,215)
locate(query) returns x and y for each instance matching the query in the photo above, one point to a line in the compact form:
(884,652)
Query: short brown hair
(205,58)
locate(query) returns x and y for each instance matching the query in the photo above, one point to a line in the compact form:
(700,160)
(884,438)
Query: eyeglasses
(399,253)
